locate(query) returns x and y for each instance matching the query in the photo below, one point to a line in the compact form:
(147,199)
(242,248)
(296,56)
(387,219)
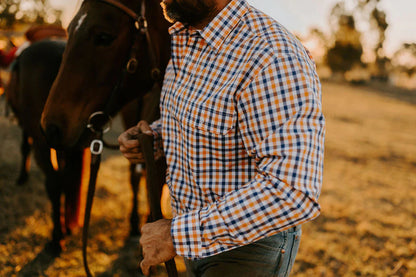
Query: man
(242,131)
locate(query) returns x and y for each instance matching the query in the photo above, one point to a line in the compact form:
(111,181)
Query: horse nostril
(53,135)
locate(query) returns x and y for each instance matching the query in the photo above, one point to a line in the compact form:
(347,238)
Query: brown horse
(102,40)
(116,51)
(32,76)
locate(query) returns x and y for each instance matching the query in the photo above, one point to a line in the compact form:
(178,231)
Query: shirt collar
(176,28)
(217,31)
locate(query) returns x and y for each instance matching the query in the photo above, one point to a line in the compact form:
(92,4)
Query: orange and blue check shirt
(243,132)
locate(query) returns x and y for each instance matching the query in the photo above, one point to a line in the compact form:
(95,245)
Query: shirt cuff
(186,235)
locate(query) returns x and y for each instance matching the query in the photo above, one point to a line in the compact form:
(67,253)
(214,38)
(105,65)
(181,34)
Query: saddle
(39,32)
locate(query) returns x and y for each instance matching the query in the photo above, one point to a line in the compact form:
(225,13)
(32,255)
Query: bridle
(99,122)
(97,144)
(141,25)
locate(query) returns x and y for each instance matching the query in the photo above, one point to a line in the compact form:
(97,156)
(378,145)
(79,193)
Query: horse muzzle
(53,135)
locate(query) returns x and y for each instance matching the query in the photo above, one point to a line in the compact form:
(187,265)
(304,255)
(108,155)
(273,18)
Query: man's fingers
(144,127)
(134,157)
(132,143)
(129,143)
(128,135)
(145,267)
(124,149)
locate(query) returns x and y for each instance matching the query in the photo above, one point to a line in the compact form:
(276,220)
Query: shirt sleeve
(282,126)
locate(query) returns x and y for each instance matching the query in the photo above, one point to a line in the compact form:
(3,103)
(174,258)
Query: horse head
(116,51)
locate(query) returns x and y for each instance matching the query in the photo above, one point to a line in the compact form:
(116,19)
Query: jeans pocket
(273,243)
(289,252)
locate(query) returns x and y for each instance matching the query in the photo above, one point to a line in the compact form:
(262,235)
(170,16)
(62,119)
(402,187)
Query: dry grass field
(368,221)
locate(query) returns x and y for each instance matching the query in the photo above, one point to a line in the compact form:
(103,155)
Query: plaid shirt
(242,130)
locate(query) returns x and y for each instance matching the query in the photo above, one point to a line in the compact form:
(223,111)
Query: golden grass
(367,226)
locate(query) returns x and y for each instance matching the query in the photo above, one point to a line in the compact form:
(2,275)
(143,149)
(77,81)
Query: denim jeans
(269,257)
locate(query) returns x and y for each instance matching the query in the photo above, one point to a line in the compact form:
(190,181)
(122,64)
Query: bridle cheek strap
(140,23)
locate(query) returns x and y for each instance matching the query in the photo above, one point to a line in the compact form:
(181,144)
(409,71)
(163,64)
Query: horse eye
(103,39)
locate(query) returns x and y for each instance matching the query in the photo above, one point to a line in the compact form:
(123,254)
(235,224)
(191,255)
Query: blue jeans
(269,257)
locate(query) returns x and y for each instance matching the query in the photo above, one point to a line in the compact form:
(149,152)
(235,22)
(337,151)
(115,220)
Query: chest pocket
(212,114)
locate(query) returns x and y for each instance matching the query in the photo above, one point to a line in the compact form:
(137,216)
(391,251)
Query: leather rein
(97,144)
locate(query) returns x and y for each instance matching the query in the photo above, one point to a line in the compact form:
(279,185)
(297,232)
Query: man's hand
(129,143)
(157,244)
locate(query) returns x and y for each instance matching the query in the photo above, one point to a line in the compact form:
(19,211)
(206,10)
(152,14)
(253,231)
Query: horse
(117,51)
(32,76)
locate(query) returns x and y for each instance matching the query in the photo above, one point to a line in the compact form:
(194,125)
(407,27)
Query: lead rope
(156,172)
(96,149)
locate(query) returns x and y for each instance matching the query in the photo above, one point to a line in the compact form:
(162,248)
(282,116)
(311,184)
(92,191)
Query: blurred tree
(404,60)
(27,12)
(347,44)
(347,48)
(369,11)
(379,21)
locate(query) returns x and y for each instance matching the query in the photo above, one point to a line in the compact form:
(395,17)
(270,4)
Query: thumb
(144,127)
(145,268)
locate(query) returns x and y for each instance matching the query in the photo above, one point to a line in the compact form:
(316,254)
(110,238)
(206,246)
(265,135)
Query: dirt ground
(368,221)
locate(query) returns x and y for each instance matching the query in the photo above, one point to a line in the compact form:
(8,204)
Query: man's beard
(187,13)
